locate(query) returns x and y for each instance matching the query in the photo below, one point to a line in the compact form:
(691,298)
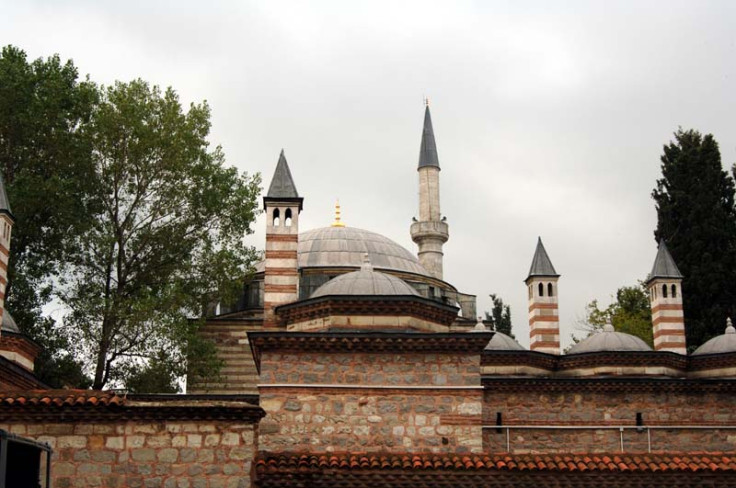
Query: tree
(500,316)
(696,218)
(46,164)
(165,241)
(629,313)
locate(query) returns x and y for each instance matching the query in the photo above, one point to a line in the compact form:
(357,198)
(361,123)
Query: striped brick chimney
(282,205)
(544,320)
(6,227)
(665,298)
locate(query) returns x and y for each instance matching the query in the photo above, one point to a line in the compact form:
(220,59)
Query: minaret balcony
(429,230)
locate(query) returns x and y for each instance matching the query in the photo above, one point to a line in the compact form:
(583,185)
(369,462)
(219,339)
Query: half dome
(719,344)
(609,340)
(502,342)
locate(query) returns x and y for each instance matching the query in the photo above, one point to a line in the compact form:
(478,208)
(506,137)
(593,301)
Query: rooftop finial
(338,222)
(366,263)
(729,327)
(608,327)
(426,101)
(480,326)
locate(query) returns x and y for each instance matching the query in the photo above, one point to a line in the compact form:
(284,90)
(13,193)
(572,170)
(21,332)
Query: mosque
(348,361)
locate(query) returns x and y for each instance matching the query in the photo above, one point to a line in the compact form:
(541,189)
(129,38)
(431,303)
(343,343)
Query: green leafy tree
(500,316)
(696,218)
(629,313)
(45,161)
(166,242)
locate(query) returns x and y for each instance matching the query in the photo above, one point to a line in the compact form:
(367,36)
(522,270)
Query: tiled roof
(651,462)
(61,398)
(78,405)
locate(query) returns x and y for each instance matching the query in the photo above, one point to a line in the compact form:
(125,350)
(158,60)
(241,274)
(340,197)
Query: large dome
(346,246)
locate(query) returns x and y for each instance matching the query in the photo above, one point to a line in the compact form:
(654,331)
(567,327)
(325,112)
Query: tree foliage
(125,215)
(500,316)
(166,241)
(629,313)
(696,218)
(46,164)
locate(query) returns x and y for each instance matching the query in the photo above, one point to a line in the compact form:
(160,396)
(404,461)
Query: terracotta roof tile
(655,462)
(61,398)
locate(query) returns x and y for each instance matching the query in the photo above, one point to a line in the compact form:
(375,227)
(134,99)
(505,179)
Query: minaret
(6,226)
(430,232)
(282,205)
(544,319)
(665,298)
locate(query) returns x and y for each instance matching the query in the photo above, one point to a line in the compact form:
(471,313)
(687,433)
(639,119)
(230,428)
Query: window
(287,217)
(549,290)
(530,292)
(664,291)
(674,291)
(276,215)
(541,289)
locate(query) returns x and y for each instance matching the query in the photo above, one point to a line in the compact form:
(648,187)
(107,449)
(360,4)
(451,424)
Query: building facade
(349,361)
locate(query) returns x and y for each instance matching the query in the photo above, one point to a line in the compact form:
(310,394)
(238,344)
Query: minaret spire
(428,149)
(430,231)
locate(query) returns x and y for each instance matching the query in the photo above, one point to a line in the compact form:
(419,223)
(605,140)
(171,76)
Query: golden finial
(426,101)
(337,222)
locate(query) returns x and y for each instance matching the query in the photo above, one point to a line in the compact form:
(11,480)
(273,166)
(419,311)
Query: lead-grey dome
(719,344)
(502,342)
(346,246)
(609,340)
(9,324)
(366,281)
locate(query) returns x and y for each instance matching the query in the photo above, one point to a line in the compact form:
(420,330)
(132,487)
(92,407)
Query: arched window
(276,215)
(664,291)
(550,291)
(287,217)
(530,291)
(541,289)
(674,291)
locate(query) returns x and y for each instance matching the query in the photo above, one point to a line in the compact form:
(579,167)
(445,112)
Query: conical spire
(282,184)
(664,265)
(428,150)
(4,202)
(541,265)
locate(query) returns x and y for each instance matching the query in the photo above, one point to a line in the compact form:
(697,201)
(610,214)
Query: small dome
(609,340)
(719,344)
(366,281)
(9,324)
(502,342)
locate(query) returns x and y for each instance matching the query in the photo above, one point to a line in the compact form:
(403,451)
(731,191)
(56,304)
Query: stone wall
(597,414)
(211,454)
(391,402)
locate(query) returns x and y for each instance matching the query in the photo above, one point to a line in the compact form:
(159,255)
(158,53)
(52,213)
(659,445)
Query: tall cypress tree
(696,218)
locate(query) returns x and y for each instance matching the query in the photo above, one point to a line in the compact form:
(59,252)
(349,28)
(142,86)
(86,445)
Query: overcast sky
(549,116)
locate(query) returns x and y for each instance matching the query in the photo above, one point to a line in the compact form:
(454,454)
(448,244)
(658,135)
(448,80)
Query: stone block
(73,441)
(143,455)
(230,439)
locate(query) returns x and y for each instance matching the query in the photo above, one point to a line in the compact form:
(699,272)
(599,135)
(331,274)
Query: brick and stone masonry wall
(213,454)
(391,402)
(609,409)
